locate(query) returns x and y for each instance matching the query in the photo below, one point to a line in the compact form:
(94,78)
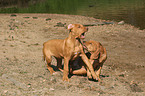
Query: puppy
(97,55)
(69,49)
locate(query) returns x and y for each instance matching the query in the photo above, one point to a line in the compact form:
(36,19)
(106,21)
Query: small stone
(121,23)
(26,17)
(48,19)
(51,89)
(13,15)
(5,91)
(35,17)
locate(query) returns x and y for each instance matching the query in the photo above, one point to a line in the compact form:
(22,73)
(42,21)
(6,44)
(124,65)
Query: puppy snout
(86,28)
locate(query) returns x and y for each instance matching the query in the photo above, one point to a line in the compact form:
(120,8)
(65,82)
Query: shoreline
(45,15)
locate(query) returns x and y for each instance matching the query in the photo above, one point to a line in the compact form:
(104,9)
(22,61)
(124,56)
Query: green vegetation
(70,6)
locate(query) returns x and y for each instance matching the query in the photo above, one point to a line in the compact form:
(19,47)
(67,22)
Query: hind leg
(48,60)
(98,72)
(59,64)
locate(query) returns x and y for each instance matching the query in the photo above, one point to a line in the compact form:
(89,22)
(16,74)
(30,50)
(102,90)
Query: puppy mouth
(82,36)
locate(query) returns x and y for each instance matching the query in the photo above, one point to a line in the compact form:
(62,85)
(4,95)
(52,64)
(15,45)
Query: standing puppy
(68,48)
(97,55)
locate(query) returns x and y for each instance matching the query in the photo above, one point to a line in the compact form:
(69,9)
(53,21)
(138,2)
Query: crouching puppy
(97,55)
(69,49)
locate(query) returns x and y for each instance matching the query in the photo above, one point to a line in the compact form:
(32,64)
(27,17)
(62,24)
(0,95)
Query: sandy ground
(24,73)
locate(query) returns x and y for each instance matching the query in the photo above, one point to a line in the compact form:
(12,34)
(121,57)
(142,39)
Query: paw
(52,72)
(99,80)
(89,76)
(65,79)
(55,73)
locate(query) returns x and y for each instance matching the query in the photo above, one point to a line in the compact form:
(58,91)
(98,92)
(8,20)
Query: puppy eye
(79,26)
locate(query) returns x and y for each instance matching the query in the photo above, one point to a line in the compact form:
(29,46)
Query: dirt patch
(23,72)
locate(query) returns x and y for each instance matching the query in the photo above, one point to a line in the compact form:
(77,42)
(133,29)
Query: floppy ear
(70,26)
(95,54)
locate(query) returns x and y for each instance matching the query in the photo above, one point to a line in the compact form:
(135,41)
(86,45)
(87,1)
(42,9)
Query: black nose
(87,28)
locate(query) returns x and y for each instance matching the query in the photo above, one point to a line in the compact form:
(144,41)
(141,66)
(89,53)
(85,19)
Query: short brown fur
(68,48)
(98,56)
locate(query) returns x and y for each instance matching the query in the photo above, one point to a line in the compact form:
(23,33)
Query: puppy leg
(89,66)
(66,69)
(98,72)
(101,61)
(48,60)
(59,64)
(102,58)
(89,74)
(81,71)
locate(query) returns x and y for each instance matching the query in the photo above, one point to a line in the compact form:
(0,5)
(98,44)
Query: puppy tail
(44,56)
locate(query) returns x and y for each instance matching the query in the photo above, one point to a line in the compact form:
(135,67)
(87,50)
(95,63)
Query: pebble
(121,23)
(51,89)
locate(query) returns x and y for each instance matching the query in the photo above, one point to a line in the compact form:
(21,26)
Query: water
(130,11)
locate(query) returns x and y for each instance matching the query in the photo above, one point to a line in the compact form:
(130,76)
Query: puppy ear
(70,26)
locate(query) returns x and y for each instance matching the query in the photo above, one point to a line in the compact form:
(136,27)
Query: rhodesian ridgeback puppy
(69,49)
(97,55)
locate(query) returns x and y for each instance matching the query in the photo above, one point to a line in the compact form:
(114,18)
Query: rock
(13,15)
(26,17)
(121,75)
(35,17)
(51,89)
(121,23)
(108,22)
(98,23)
(48,19)
(59,24)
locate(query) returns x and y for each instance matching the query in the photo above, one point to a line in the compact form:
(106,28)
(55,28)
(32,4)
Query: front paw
(89,76)
(99,80)
(65,78)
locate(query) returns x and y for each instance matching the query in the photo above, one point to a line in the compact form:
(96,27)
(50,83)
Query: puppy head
(77,30)
(92,47)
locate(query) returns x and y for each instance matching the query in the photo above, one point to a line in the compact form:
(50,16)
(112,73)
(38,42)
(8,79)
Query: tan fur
(68,48)
(98,56)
